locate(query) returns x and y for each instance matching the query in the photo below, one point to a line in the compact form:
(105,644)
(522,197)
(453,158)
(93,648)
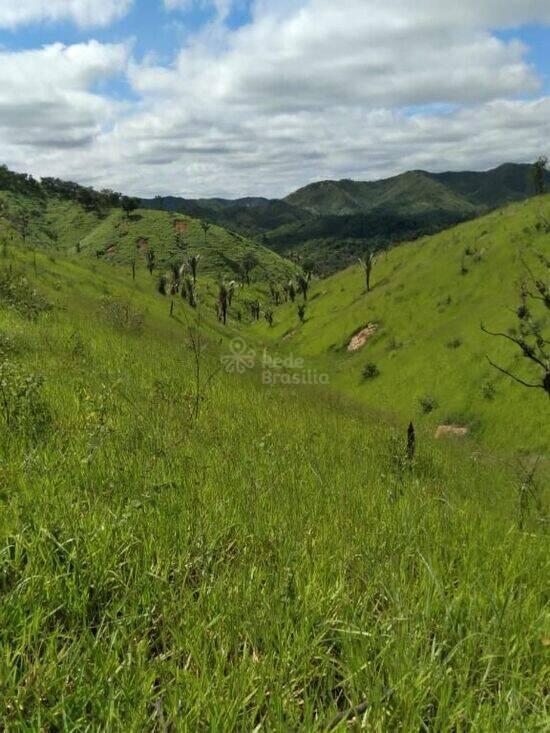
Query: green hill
(331,222)
(428,301)
(40,217)
(411,193)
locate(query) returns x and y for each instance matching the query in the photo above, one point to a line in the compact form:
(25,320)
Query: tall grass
(267,566)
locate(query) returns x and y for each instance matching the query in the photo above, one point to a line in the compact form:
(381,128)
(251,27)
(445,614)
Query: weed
(370,371)
(428,403)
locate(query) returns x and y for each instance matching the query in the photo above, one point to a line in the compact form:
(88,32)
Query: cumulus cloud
(46,97)
(308,89)
(83,12)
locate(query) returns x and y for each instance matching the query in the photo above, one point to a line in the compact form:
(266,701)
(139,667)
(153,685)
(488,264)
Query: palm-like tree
(225,295)
(205,226)
(194,265)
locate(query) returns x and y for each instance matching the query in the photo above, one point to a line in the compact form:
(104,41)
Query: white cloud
(309,89)
(85,13)
(46,97)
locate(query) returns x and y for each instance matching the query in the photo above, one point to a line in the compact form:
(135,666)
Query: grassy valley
(428,301)
(185,547)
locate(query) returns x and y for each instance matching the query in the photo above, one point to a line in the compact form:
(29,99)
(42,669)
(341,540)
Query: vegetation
(183,547)
(332,223)
(428,339)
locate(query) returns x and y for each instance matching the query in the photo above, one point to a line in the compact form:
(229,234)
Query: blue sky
(239,97)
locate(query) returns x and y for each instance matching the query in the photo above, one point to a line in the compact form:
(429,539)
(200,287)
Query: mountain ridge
(331,222)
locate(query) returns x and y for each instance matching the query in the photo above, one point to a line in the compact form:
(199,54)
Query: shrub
(454,344)
(489,391)
(428,403)
(18,294)
(120,314)
(370,371)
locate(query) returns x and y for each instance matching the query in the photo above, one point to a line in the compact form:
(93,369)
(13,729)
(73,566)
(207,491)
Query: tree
(188,291)
(302,312)
(250,261)
(194,265)
(129,204)
(162,285)
(224,298)
(530,337)
(268,314)
(150,257)
(292,290)
(539,174)
(303,285)
(205,226)
(367,263)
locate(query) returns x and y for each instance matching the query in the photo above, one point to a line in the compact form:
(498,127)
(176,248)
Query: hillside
(330,223)
(428,301)
(40,218)
(185,548)
(419,191)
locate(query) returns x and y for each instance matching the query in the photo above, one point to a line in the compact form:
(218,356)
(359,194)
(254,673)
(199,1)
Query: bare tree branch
(516,379)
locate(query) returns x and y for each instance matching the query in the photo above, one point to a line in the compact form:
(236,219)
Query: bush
(17,293)
(428,403)
(454,344)
(121,315)
(370,371)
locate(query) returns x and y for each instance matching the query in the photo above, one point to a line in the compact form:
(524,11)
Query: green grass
(271,562)
(266,565)
(64,226)
(429,341)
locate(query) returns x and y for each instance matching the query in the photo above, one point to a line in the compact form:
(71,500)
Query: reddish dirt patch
(361,338)
(180,226)
(110,251)
(445,430)
(143,244)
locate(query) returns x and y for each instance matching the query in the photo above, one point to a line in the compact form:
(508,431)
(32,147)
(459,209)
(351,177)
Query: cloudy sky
(241,97)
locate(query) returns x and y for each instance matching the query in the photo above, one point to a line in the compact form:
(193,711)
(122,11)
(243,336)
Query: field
(184,548)
(428,301)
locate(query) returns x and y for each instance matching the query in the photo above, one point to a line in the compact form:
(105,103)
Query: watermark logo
(275,370)
(241,357)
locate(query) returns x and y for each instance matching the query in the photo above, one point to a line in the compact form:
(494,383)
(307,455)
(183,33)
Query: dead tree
(367,263)
(530,337)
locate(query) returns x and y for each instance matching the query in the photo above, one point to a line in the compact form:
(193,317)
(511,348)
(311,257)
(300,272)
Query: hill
(185,547)
(63,217)
(428,353)
(330,223)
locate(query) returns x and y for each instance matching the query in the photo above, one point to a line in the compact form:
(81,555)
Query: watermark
(241,357)
(274,370)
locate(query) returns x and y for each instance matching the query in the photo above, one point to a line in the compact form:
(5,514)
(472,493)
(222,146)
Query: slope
(428,301)
(38,219)
(332,222)
(263,562)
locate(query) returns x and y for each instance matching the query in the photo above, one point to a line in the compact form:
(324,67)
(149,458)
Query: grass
(270,564)
(428,301)
(64,226)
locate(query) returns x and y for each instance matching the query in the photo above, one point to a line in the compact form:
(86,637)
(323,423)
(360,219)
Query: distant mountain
(419,192)
(330,222)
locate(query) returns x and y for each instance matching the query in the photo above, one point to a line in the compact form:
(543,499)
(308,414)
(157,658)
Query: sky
(259,97)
